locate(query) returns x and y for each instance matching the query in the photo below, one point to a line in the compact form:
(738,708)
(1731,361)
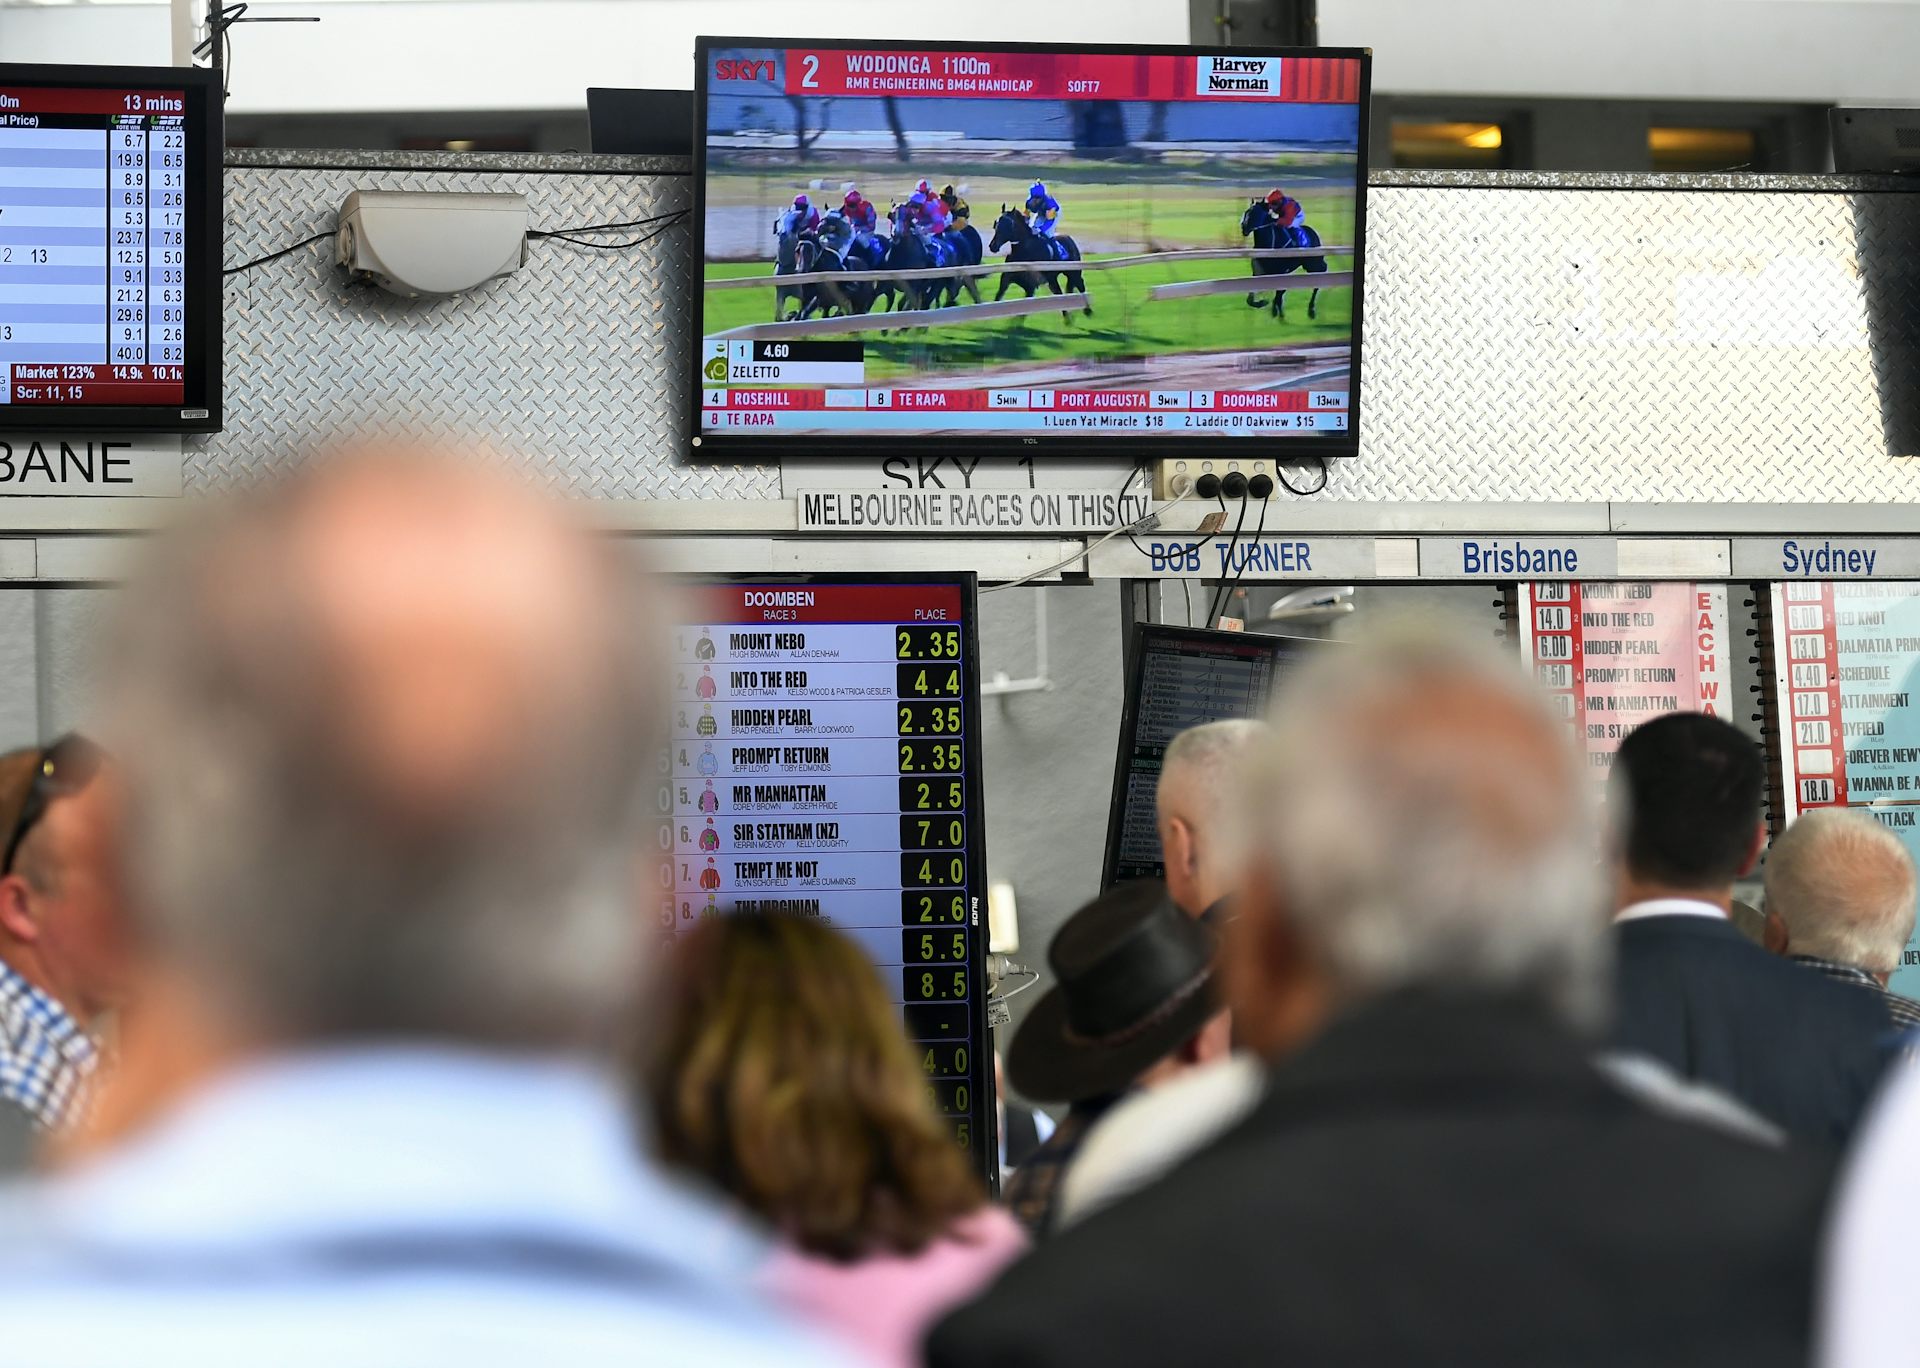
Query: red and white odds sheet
(1617,653)
(1846,661)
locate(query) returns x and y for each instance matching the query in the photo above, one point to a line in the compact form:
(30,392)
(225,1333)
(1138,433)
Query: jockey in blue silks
(801,218)
(1043,212)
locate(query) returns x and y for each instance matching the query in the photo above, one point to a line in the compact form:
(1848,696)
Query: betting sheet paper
(1612,655)
(1846,659)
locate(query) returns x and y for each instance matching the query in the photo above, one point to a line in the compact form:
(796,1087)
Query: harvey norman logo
(1239,76)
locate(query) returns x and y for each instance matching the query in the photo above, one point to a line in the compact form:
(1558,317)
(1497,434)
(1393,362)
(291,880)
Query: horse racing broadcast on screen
(1031,246)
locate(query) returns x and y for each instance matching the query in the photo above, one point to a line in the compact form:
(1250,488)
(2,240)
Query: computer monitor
(1178,678)
(110,248)
(825,762)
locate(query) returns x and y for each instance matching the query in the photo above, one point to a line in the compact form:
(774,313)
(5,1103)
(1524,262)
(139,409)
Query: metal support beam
(182,30)
(1254,23)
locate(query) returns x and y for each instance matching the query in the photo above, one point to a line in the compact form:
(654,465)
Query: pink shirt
(886,1304)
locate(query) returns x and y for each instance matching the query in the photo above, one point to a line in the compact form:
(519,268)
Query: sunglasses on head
(65,768)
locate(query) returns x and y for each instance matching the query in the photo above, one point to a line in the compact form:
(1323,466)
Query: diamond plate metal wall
(1638,345)
(1546,339)
(572,360)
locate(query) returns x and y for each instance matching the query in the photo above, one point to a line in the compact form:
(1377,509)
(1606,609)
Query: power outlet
(1174,478)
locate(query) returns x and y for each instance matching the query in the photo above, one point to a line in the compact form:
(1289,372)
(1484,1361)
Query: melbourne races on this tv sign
(980,241)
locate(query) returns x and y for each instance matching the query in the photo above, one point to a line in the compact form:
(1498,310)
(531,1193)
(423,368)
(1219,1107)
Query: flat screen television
(1177,678)
(109,248)
(1026,246)
(825,762)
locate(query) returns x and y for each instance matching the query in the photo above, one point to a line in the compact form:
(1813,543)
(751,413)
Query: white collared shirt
(1668,907)
(1870,1264)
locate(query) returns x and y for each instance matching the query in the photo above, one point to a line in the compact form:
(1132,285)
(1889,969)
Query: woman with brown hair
(781,1075)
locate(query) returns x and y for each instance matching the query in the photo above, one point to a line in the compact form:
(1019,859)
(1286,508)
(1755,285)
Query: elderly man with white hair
(384,727)
(1438,1173)
(1840,899)
(1198,810)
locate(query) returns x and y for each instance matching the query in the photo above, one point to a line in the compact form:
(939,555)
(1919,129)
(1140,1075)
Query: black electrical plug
(1207,486)
(1234,486)
(1261,486)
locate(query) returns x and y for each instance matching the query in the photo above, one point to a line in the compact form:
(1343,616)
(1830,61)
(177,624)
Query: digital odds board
(109,248)
(825,762)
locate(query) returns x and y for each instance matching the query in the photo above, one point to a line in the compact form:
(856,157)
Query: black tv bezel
(1144,635)
(983,1114)
(705,446)
(205,224)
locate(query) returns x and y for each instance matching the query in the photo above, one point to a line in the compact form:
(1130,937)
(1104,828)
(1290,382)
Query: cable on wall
(660,223)
(1325,472)
(275,256)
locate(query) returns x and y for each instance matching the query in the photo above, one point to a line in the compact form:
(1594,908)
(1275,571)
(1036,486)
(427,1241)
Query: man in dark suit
(1437,1174)
(1692,992)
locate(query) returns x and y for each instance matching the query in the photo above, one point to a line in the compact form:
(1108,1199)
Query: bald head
(1200,810)
(1427,824)
(1840,887)
(383,724)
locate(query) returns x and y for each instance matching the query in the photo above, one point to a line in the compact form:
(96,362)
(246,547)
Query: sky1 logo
(743,69)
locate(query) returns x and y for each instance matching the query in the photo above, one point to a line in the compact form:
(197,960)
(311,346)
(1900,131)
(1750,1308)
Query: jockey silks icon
(706,726)
(708,762)
(703,648)
(710,838)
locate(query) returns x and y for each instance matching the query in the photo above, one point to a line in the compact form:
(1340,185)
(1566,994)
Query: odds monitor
(109,248)
(1177,678)
(1027,246)
(825,762)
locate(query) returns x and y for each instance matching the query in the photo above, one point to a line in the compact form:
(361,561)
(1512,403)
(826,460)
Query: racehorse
(871,255)
(848,297)
(787,237)
(964,243)
(1011,230)
(1258,221)
(910,252)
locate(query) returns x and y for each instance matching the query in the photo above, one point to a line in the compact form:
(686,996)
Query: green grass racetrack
(1124,323)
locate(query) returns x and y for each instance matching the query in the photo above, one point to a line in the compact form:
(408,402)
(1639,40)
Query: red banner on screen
(1067,76)
(131,103)
(718,604)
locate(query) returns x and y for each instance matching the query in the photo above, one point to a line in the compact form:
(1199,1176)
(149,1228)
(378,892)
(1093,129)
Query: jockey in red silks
(1284,208)
(860,213)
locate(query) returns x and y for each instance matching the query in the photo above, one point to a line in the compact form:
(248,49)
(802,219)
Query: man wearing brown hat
(62,933)
(1135,1003)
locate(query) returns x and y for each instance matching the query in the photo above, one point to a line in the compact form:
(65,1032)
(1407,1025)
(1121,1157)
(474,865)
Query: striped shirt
(46,1060)
(1904,1011)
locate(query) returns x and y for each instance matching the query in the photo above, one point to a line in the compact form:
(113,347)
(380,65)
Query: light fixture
(426,243)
